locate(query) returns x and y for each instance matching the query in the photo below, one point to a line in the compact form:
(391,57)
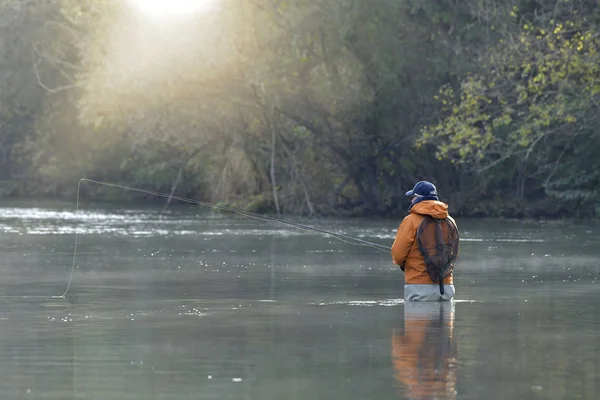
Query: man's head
(423,190)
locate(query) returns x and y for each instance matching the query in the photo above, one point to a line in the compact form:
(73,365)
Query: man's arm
(405,238)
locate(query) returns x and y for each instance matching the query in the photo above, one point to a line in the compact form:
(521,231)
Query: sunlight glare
(167,9)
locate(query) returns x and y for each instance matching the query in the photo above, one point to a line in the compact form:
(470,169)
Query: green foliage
(573,180)
(539,92)
(542,83)
(303,106)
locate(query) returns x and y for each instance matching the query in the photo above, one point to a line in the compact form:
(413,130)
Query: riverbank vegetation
(330,107)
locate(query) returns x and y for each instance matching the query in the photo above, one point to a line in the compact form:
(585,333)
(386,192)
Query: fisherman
(426,229)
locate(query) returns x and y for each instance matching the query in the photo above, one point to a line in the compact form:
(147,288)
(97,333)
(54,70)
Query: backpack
(438,242)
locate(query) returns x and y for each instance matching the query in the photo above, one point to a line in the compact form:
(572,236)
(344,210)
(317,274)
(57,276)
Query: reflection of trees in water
(425,352)
(37,351)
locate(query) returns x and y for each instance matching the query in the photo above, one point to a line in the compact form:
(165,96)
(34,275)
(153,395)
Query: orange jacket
(405,250)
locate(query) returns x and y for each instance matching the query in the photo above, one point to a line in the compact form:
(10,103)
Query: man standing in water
(426,246)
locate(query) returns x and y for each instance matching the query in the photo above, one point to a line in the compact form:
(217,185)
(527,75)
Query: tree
(533,108)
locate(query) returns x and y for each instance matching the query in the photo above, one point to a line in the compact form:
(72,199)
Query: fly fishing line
(339,236)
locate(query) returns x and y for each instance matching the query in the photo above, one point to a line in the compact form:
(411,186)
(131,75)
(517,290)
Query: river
(190,304)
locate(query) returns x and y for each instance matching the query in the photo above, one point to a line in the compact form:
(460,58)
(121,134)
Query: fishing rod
(339,236)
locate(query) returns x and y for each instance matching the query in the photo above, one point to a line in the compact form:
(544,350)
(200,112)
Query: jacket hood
(435,208)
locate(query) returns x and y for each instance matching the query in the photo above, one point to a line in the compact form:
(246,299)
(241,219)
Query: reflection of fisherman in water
(424,353)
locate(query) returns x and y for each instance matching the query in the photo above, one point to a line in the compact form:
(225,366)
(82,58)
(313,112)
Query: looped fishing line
(343,238)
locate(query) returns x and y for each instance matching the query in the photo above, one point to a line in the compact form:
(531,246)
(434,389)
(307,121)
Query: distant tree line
(323,107)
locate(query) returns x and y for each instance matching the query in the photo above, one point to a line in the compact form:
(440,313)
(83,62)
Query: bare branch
(287,150)
(530,149)
(39,79)
(547,181)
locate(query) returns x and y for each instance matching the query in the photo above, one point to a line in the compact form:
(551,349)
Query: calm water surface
(187,305)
